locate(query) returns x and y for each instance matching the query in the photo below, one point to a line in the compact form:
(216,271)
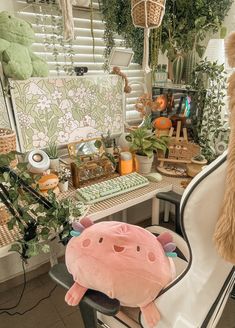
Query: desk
(109,206)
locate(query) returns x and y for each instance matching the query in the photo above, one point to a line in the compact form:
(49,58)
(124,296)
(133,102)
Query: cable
(6,310)
(21,295)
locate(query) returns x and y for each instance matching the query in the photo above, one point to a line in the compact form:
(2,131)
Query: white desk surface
(107,207)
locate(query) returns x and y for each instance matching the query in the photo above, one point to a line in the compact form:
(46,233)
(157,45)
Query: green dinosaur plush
(18,60)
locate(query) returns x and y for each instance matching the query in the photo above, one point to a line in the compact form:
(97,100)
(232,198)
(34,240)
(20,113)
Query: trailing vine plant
(37,224)
(209,83)
(118,21)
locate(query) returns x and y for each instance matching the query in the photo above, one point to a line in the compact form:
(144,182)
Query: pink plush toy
(121,260)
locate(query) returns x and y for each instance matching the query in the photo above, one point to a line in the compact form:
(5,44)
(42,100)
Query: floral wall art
(66,109)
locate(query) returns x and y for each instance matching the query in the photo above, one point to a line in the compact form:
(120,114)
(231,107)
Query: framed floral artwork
(66,109)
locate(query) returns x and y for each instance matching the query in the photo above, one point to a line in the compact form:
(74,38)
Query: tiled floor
(54,313)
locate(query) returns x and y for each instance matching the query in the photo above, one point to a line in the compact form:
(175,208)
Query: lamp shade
(215,51)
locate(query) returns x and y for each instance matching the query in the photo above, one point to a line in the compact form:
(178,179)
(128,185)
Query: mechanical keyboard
(110,188)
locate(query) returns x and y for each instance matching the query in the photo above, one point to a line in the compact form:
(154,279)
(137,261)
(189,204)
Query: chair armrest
(98,301)
(170,196)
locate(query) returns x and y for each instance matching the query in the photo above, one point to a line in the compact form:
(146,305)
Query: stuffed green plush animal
(18,60)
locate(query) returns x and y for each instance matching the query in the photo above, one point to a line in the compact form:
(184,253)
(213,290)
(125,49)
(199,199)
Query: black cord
(6,310)
(22,292)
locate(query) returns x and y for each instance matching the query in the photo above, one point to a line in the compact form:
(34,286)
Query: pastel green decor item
(66,109)
(18,61)
(190,63)
(178,69)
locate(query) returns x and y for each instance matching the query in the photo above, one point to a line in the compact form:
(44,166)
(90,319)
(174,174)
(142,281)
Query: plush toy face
(16,30)
(121,260)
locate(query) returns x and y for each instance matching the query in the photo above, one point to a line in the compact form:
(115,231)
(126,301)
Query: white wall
(6,5)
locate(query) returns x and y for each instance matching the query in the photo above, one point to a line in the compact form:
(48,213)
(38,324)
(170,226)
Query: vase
(123,143)
(63,186)
(178,69)
(144,164)
(54,164)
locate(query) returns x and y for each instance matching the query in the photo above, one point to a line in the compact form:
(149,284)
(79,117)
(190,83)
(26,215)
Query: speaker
(38,161)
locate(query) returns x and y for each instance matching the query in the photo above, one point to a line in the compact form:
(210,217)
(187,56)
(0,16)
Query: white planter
(144,164)
(63,186)
(54,164)
(109,150)
(123,143)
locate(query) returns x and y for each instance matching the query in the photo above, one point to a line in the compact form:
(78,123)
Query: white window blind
(63,56)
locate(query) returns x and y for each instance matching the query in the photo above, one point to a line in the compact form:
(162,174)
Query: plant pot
(54,164)
(123,143)
(144,164)
(63,186)
(109,150)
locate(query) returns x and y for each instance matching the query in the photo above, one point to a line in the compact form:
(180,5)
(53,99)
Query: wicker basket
(4,215)
(8,143)
(147,13)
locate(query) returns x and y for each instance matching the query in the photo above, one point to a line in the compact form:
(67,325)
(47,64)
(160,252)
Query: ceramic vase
(63,186)
(123,143)
(54,164)
(144,164)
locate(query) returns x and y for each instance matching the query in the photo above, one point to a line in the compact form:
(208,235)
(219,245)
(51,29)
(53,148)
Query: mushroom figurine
(162,126)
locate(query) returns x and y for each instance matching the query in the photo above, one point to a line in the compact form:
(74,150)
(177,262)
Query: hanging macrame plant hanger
(147,14)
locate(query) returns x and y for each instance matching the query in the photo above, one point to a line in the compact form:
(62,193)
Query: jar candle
(126,163)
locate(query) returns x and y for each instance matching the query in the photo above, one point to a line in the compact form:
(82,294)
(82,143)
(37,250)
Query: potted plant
(107,142)
(52,152)
(144,144)
(64,174)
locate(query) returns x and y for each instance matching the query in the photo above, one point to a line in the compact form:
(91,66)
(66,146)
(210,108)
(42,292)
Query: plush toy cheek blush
(123,261)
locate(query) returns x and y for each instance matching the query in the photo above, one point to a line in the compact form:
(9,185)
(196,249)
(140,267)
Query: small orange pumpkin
(162,123)
(160,103)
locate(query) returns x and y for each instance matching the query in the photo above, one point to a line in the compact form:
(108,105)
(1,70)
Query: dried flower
(64,174)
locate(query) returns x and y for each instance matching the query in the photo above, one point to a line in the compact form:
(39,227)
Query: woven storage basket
(147,13)
(8,143)
(4,215)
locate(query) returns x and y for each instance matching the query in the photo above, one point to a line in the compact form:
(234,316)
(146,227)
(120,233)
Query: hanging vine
(209,83)
(117,20)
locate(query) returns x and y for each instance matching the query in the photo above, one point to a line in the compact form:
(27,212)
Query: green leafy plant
(209,83)
(107,140)
(117,19)
(52,150)
(186,24)
(144,143)
(37,225)
(147,122)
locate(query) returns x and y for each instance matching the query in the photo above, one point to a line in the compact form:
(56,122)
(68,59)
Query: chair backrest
(195,293)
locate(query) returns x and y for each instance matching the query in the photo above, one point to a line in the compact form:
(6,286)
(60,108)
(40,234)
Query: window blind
(84,50)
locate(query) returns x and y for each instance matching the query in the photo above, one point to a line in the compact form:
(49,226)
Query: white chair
(197,296)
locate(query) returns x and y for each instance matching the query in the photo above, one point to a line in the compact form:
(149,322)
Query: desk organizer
(91,170)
